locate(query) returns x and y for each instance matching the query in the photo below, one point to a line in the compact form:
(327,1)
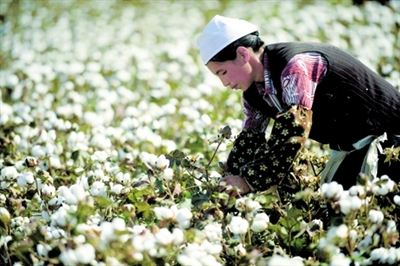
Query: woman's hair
(229,52)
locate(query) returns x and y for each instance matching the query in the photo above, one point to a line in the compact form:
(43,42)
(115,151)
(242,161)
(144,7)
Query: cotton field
(112,134)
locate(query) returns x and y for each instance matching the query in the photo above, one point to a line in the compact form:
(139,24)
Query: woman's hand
(235,181)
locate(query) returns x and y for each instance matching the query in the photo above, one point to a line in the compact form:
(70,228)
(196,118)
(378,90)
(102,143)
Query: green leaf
(75,155)
(219,195)
(200,198)
(160,186)
(142,206)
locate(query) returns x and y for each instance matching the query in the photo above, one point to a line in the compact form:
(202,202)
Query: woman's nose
(225,82)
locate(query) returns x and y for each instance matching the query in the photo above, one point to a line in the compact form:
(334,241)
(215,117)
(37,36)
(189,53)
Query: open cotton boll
(349,203)
(8,173)
(375,216)
(25,179)
(167,174)
(260,222)
(123,178)
(98,189)
(340,259)
(164,237)
(332,190)
(183,217)
(278,260)
(162,162)
(116,189)
(396,199)
(85,254)
(238,225)
(100,156)
(163,213)
(213,232)
(384,188)
(78,191)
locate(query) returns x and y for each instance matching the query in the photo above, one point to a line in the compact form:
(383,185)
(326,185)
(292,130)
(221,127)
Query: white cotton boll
(164,237)
(122,178)
(60,217)
(55,162)
(377,253)
(186,260)
(100,156)
(98,174)
(162,162)
(20,165)
(183,217)
(98,189)
(38,151)
(349,203)
(240,204)
(111,168)
(167,174)
(260,222)
(48,190)
(391,227)
(5,216)
(240,250)
(252,206)
(213,232)
(85,253)
(357,190)
(25,179)
(137,256)
(43,250)
(78,191)
(56,201)
(11,80)
(56,233)
(209,260)
(101,142)
(116,189)
(342,231)
(148,158)
(238,225)
(340,259)
(178,236)
(77,141)
(278,260)
(392,256)
(4,184)
(384,188)
(79,239)
(68,257)
(137,243)
(353,235)
(46,216)
(163,213)
(9,173)
(3,199)
(332,190)
(396,199)
(375,216)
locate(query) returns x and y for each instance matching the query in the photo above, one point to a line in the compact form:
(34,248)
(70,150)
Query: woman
(311,90)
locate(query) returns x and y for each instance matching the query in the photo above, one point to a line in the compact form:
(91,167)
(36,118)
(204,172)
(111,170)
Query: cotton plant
(366,225)
(108,154)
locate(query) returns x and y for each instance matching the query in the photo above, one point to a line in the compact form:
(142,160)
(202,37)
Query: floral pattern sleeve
(271,161)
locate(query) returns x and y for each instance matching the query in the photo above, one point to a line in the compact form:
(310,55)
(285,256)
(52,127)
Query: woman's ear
(243,53)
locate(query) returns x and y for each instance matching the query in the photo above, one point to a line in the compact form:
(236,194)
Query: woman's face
(237,74)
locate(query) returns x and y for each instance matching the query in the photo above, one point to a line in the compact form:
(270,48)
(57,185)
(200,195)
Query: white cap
(219,33)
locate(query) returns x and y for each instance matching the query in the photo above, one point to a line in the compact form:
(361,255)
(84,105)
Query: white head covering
(219,33)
